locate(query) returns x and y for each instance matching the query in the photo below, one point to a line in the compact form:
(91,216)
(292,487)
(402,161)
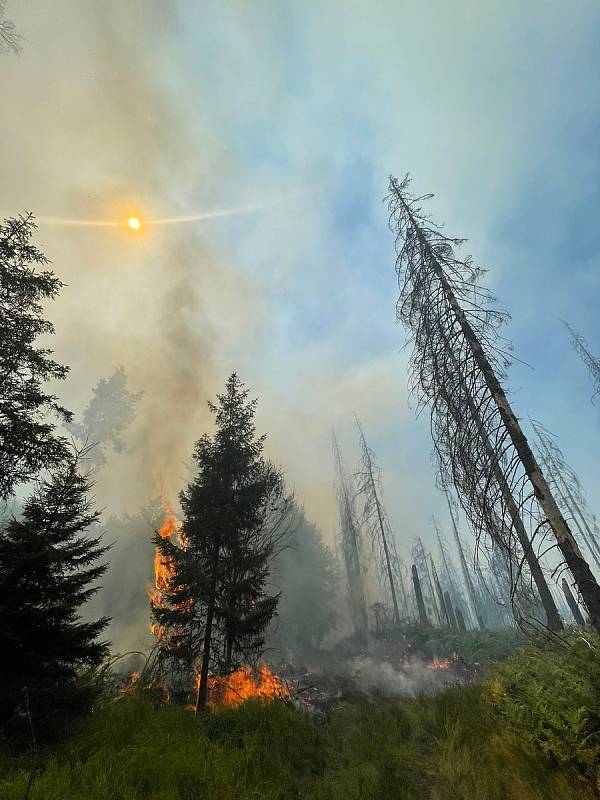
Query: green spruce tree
(28,442)
(214,615)
(48,569)
(108,414)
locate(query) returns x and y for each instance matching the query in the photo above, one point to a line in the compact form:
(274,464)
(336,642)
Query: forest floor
(529,732)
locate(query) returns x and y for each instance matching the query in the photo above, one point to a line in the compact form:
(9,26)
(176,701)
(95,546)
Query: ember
(246,684)
(443,663)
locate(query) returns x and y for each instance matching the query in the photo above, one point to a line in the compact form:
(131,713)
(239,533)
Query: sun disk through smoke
(134,223)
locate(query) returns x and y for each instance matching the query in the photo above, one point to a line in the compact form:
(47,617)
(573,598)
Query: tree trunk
(465,569)
(423,620)
(572,603)
(567,498)
(552,615)
(452,619)
(440,594)
(460,620)
(590,591)
(202,695)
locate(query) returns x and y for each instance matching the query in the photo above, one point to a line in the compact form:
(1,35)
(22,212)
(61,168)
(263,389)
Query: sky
(304,109)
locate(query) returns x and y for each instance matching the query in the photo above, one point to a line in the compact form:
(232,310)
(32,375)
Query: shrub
(549,693)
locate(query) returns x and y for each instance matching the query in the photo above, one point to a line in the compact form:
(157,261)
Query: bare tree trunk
(465,569)
(572,603)
(588,587)
(375,495)
(350,547)
(452,618)
(460,620)
(580,570)
(566,496)
(552,616)
(440,594)
(423,620)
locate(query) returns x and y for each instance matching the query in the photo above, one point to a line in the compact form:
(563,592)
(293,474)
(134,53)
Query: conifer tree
(48,569)
(110,411)
(306,574)
(234,514)
(28,442)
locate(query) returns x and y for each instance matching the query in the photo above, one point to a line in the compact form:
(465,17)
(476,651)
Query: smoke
(374,677)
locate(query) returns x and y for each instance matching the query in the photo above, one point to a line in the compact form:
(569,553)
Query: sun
(134,223)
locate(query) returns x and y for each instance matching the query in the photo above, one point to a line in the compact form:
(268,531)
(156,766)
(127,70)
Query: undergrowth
(530,734)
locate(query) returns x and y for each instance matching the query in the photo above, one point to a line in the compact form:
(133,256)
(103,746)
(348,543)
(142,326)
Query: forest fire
(246,684)
(163,567)
(443,663)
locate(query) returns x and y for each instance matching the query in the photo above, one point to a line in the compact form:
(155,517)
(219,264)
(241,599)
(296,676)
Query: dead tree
(450,314)
(568,488)
(10,39)
(572,603)
(423,618)
(374,519)
(449,572)
(427,591)
(592,362)
(441,600)
(465,567)
(350,542)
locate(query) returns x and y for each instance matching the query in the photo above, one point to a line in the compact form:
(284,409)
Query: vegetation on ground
(473,743)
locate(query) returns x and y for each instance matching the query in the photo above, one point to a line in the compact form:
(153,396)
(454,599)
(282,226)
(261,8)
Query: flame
(163,566)
(443,663)
(245,684)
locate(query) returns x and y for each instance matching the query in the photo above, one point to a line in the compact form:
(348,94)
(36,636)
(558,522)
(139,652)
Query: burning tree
(351,544)
(215,606)
(48,568)
(375,520)
(458,361)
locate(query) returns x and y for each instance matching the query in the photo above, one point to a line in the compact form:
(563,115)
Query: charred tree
(374,518)
(447,311)
(351,544)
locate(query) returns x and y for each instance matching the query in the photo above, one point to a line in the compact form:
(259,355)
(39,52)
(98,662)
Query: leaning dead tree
(568,488)
(592,362)
(458,361)
(350,543)
(375,522)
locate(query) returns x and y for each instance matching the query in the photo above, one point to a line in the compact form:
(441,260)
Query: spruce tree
(218,608)
(48,568)
(28,442)
(108,414)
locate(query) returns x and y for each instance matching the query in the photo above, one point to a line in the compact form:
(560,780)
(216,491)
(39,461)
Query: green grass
(531,733)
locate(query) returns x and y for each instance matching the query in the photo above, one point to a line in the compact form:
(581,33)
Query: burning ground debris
(365,678)
(244,684)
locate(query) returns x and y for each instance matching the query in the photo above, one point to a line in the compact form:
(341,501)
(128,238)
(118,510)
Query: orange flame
(245,684)
(443,663)
(163,566)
